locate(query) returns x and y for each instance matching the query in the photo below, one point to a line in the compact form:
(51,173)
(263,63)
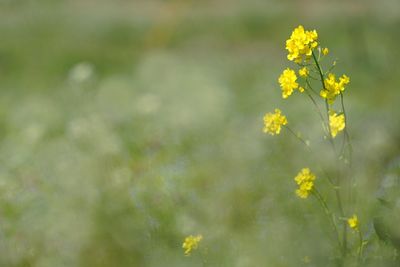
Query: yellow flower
(191,242)
(333,88)
(301,43)
(303,72)
(305,180)
(273,122)
(344,80)
(288,83)
(304,175)
(336,123)
(325,51)
(353,222)
(304,189)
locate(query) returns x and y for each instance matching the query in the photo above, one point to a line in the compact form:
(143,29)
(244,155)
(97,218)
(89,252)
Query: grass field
(126,126)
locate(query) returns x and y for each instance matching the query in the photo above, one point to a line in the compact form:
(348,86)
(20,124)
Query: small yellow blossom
(304,175)
(325,51)
(353,222)
(288,83)
(303,72)
(301,43)
(336,123)
(301,89)
(191,242)
(305,180)
(273,122)
(344,80)
(304,189)
(333,88)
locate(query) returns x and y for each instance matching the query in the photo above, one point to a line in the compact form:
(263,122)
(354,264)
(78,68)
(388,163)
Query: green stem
(304,142)
(328,213)
(347,136)
(338,197)
(321,75)
(331,68)
(315,104)
(319,70)
(360,249)
(309,86)
(341,210)
(347,140)
(297,136)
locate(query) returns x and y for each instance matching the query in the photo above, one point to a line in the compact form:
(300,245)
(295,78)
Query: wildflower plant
(274,121)
(316,80)
(191,243)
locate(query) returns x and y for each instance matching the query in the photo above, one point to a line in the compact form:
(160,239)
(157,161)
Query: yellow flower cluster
(353,222)
(305,180)
(301,43)
(333,88)
(303,72)
(191,242)
(336,123)
(273,122)
(288,83)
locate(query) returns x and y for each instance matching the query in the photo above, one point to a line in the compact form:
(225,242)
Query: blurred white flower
(81,72)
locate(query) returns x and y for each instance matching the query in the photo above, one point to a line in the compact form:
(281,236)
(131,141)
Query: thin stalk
(347,139)
(309,86)
(319,69)
(331,68)
(312,77)
(341,210)
(330,138)
(304,142)
(360,249)
(317,107)
(338,197)
(297,136)
(326,101)
(328,213)
(345,129)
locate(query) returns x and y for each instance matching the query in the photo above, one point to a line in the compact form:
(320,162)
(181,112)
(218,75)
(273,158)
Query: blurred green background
(127,125)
